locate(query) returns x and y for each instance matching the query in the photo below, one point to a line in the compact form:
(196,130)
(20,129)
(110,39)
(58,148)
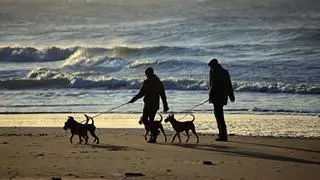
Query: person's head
(149,72)
(213,63)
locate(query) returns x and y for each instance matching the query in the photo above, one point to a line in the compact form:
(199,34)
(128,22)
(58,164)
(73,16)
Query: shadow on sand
(109,147)
(239,152)
(276,146)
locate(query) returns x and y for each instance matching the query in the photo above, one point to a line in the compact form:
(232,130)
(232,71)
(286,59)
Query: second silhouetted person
(152,89)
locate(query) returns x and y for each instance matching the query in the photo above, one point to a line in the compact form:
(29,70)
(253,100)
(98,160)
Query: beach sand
(46,153)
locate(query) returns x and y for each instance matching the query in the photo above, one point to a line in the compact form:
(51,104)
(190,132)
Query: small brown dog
(182,126)
(81,129)
(147,126)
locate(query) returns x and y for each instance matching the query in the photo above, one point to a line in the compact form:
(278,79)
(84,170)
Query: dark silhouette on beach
(152,89)
(220,90)
(81,129)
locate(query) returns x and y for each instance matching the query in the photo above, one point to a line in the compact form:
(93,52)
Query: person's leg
(145,119)
(216,115)
(218,112)
(149,115)
(154,131)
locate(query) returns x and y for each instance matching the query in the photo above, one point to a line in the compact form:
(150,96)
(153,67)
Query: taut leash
(190,109)
(105,111)
(109,110)
(187,110)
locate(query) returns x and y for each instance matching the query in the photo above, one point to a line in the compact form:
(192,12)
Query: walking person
(220,90)
(152,89)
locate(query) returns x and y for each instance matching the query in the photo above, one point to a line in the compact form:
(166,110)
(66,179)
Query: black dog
(81,129)
(147,126)
(182,126)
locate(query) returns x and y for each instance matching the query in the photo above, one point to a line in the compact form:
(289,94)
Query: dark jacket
(220,86)
(151,89)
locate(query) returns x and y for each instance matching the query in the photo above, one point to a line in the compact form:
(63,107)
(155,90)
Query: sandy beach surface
(46,153)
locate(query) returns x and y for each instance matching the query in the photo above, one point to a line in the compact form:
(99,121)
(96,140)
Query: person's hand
(165,109)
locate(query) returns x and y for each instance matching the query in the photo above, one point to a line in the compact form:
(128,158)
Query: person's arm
(210,86)
(139,95)
(163,98)
(230,88)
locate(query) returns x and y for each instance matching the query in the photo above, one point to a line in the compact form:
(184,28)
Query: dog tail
(192,117)
(92,120)
(160,117)
(88,118)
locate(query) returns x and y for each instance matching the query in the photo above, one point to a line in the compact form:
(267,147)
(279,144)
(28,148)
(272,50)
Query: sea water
(90,56)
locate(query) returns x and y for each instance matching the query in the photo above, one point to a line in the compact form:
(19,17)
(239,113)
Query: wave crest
(43,78)
(32,54)
(267,87)
(98,61)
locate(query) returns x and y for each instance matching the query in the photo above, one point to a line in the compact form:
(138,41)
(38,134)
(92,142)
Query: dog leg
(96,139)
(179,138)
(145,135)
(187,133)
(71,138)
(173,138)
(86,139)
(162,130)
(80,140)
(195,133)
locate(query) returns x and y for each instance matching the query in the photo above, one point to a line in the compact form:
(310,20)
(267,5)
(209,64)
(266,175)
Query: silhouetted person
(220,90)
(151,90)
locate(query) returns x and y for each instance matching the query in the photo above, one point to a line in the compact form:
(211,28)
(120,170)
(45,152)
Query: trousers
(219,115)
(149,115)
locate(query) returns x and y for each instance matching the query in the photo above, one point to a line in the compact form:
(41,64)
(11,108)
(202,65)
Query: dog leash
(189,110)
(128,103)
(109,110)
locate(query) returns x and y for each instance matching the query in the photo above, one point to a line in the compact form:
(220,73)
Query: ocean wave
(267,87)
(94,59)
(173,64)
(44,78)
(156,51)
(30,54)
(31,84)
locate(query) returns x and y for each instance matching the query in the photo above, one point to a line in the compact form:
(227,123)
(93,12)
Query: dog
(182,126)
(81,129)
(147,126)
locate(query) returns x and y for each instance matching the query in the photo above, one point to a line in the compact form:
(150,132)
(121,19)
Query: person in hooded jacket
(220,90)
(152,89)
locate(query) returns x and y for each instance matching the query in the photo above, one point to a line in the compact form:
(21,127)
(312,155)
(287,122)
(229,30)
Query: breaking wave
(45,78)
(31,54)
